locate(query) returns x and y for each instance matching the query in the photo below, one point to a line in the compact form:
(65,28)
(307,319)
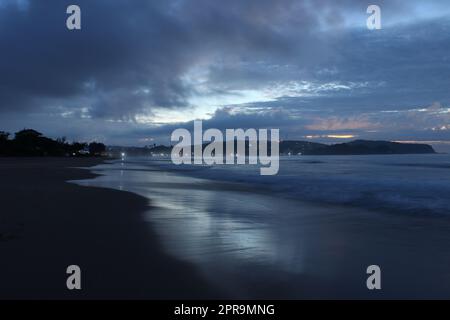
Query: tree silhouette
(96,149)
(29,142)
(4,136)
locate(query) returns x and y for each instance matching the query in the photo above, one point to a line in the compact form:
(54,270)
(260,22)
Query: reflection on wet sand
(258,245)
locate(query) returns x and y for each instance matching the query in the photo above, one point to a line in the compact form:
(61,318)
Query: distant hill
(361,147)
(300,147)
(30,142)
(357,147)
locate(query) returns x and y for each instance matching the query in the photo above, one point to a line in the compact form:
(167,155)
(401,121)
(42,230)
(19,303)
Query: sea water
(310,231)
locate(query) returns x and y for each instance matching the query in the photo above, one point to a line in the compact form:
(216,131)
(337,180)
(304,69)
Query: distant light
(344,136)
(332,136)
(123,154)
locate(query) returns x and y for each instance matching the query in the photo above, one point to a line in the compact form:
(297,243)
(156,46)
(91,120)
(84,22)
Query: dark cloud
(308,64)
(118,52)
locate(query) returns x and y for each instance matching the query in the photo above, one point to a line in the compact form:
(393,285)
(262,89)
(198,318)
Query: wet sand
(175,237)
(47,224)
(255,244)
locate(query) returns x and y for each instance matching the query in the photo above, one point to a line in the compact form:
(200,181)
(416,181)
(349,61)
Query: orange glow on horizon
(332,136)
(338,136)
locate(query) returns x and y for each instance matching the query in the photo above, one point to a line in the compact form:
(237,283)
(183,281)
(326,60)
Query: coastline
(47,224)
(142,233)
(265,246)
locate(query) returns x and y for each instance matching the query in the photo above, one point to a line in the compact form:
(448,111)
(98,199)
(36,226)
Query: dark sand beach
(162,235)
(47,224)
(255,244)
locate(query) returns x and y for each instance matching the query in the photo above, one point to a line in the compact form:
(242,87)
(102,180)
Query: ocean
(309,232)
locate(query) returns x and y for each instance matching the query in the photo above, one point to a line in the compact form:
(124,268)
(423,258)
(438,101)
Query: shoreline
(136,244)
(311,251)
(47,224)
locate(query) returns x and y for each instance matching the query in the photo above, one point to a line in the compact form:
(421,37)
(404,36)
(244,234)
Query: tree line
(29,142)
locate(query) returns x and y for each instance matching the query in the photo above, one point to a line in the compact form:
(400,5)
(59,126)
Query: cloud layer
(310,68)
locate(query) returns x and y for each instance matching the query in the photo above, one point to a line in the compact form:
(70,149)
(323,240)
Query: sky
(139,69)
